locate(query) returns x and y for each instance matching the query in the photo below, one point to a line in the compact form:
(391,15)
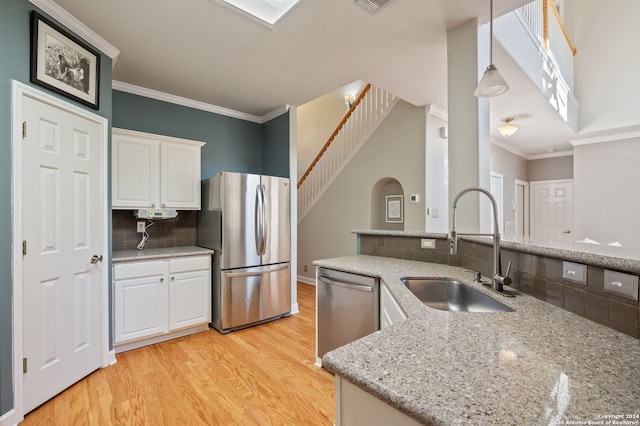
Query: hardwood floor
(262,375)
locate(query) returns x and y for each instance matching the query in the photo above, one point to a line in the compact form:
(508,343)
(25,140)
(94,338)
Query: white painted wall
(395,150)
(318,119)
(436,197)
(606,199)
(607,64)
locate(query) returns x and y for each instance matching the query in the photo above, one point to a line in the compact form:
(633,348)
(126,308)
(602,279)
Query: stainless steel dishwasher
(348,308)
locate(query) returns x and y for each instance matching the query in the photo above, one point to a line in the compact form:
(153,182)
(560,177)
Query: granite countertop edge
(158,253)
(383,363)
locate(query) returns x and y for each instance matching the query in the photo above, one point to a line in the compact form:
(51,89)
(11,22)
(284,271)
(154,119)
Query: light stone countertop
(539,365)
(157,253)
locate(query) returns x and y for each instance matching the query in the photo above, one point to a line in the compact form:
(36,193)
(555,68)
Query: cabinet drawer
(138,269)
(189,263)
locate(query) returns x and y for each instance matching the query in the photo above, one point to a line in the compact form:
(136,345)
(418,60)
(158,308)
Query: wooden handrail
(335,133)
(545,20)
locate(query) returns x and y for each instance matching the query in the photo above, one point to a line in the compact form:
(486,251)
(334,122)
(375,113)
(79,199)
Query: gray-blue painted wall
(232,145)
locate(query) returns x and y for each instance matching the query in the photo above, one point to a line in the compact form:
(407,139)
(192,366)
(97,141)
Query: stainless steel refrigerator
(245,219)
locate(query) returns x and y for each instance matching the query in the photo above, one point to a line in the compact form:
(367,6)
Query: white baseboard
(9,418)
(112,357)
(306,280)
(295,308)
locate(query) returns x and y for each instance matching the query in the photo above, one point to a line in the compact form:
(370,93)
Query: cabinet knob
(161,280)
(173,278)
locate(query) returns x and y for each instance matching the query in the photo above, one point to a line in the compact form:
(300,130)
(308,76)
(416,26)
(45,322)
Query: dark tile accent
(507,256)
(524,262)
(525,283)
(547,267)
(596,308)
(181,231)
(595,280)
(554,293)
(539,288)
(624,318)
(574,300)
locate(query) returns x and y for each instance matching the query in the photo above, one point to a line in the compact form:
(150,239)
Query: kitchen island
(537,365)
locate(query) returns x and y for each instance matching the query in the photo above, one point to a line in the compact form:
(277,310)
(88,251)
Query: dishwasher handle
(344,284)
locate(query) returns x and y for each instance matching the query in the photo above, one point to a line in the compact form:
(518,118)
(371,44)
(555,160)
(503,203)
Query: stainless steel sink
(448,294)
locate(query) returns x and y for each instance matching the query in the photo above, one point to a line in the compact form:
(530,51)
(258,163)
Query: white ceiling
(205,51)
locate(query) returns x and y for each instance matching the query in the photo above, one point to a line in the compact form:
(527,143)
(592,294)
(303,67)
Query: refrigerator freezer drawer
(253,295)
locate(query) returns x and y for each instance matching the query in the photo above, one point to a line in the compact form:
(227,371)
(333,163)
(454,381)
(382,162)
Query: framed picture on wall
(62,63)
(394,209)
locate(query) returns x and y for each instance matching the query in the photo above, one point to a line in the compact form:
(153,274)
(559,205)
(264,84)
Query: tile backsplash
(537,276)
(181,231)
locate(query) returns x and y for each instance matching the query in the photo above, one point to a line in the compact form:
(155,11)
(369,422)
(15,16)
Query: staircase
(367,112)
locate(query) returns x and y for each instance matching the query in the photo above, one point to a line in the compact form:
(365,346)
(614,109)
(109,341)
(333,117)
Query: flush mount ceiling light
(492,83)
(268,11)
(508,129)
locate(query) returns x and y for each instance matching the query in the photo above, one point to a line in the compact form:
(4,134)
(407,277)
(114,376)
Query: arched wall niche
(387,205)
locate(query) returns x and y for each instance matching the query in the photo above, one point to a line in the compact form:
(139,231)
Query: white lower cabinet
(356,407)
(156,300)
(390,311)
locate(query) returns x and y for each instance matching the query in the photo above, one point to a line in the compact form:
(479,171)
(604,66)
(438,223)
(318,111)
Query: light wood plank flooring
(262,375)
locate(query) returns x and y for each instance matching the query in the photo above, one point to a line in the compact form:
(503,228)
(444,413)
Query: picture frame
(63,63)
(394,209)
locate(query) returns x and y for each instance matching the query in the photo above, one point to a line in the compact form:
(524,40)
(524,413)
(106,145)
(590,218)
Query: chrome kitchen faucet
(498,280)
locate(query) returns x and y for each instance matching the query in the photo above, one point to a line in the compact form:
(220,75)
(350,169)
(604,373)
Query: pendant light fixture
(492,83)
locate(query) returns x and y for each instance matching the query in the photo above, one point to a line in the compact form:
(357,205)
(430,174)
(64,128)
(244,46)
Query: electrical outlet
(305,268)
(427,243)
(140,227)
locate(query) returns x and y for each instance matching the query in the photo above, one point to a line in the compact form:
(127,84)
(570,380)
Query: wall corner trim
(81,30)
(629,132)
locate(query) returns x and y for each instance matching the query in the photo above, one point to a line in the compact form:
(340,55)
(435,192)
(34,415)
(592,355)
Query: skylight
(269,11)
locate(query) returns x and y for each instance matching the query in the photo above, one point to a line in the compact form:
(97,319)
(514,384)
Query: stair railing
(367,111)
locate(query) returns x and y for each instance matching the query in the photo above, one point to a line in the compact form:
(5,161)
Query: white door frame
(525,207)
(19,91)
(499,201)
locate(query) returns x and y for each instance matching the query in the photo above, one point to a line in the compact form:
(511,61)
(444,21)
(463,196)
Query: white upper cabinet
(154,172)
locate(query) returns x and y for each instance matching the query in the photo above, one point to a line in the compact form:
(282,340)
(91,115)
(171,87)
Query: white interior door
(62,219)
(552,210)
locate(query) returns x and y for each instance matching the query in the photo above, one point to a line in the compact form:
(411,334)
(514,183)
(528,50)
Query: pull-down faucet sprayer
(498,280)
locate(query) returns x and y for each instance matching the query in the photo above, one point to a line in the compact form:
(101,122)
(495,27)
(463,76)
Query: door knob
(95,258)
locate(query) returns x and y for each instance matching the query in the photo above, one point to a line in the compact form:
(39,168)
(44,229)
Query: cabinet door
(189,299)
(180,176)
(140,308)
(135,172)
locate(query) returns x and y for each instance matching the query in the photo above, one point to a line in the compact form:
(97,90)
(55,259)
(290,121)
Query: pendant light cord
(491,32)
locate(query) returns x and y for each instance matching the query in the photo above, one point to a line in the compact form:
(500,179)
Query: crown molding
(551,155)
(436,111)
(610,135)
(80,29)
(203,106)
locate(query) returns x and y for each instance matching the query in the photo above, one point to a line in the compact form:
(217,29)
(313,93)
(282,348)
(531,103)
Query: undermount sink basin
(451,295)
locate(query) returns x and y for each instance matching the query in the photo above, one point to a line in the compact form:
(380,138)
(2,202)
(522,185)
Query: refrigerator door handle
(260,272)
(265,220)
(258,221)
